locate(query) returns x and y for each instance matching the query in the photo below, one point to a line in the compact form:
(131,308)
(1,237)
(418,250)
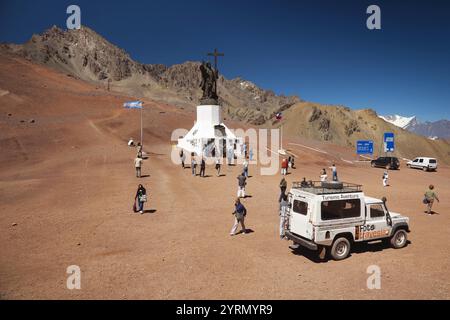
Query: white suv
(333,216)
(423,163)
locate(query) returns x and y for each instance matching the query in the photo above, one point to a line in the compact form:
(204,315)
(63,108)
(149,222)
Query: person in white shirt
(334,171)
(245,165)
(138,165)
(385,179)
(323,176)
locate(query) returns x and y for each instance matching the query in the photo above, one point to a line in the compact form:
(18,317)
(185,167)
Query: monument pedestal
(208,133)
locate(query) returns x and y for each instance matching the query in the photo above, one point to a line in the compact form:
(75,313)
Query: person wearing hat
(239,216)
(430,195)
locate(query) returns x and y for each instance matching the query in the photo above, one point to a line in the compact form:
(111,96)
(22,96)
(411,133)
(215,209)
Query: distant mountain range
(433,130)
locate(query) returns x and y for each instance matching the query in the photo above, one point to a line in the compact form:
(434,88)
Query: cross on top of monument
(215,54)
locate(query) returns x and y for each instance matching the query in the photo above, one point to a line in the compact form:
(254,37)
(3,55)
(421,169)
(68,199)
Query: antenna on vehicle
(388,215)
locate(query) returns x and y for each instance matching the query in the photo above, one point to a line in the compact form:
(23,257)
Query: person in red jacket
(284,166)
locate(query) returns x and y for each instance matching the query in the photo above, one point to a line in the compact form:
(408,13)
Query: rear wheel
(340,249)
(399,239)
(388,167)
(425,169)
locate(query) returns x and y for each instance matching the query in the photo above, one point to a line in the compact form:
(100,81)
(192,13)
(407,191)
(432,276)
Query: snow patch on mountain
(400,121)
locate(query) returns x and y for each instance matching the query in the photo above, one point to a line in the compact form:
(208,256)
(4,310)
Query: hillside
(342,126)
(88,56)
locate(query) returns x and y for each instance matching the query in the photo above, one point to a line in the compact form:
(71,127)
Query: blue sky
(318,50)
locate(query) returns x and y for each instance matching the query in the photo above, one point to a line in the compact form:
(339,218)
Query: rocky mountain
(343,126)
(88,56)
(439,129)
(432,130)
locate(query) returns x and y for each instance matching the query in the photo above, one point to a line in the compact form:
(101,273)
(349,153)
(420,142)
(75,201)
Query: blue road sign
(364,147)
(389,145)
(133,104)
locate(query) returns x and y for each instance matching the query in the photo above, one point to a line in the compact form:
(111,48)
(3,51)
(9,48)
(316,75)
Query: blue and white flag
(133,105)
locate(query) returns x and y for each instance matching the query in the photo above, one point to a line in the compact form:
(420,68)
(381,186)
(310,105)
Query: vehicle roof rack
(327,187)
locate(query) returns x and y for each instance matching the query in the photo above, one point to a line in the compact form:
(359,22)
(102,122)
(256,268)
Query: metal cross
(215,54)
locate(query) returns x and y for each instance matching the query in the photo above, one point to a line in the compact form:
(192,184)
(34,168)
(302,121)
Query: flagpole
(142,141)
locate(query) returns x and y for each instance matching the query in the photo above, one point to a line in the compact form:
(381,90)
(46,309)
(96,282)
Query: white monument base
(208,133)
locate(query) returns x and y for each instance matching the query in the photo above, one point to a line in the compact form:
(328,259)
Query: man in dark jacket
(239,216)
(202,168)
(241,185)
(283,186)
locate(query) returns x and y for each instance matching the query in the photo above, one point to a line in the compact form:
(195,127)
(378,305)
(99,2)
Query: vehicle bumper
(301,241)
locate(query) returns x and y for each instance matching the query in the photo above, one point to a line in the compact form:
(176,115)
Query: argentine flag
(133,105)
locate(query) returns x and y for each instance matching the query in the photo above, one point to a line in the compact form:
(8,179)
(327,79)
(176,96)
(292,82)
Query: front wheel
(340,249)
(399,239)
(372,164)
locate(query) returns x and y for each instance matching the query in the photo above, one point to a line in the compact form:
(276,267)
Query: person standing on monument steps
(202,168)
(138,165)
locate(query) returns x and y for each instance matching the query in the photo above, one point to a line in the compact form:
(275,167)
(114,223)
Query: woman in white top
(323,176)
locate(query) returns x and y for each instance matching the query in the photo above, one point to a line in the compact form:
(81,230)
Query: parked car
(390,163)
(424,163)
(322,217)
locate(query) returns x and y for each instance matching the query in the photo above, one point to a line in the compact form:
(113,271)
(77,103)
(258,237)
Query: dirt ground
(66,192)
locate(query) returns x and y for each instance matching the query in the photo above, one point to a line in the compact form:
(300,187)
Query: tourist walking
(283,187)
(241,186)
(138,165)
(193,165)
(139,199)
(430,196)
(245,166)
(218,166)
(239,216)
(202,168)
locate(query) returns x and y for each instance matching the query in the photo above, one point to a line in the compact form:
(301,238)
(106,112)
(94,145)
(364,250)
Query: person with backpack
(430,196)
(239,216)
(138,165)
(202,167)
(140,198)
(241,185)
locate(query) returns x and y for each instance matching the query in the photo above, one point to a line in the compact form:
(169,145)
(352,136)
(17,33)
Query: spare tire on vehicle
(332,184)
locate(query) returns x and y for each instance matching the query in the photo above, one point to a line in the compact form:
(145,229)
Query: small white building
(208,133)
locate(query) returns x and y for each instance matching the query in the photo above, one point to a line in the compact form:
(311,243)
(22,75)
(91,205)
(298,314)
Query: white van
(424,163)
